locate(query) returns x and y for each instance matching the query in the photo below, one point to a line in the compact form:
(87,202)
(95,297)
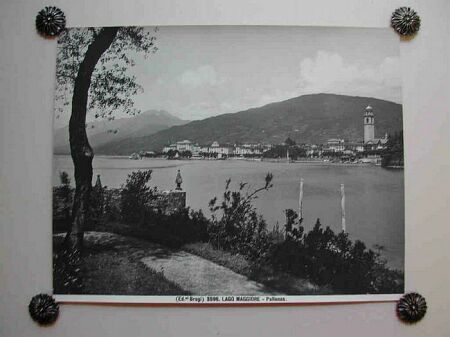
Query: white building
(172,147)
(248,149)
(335,145)
(217,149)
(183,145)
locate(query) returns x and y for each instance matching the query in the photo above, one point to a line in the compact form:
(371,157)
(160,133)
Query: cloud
(328,72)
(203,75)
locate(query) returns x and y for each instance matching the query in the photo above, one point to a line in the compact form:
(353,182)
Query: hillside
(306,119)
(104,132)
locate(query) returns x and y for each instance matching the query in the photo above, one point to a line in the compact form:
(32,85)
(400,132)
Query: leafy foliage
(326,258)
(332,259)
(289,142)
(136,195)
(393,155)
(235,225)
(112,86)
(281,151)
(97,204)
(174,229)
(172,154)
(178,228)
(62,203)
(319,255)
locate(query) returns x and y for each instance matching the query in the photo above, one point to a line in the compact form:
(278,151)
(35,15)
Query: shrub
(111,207)
(62,203)
(172,230)
(178,228)
(135,196)
(97,204)
(333,259)
(235,224)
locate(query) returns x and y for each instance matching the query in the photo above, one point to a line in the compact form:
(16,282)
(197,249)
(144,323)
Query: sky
(203,71)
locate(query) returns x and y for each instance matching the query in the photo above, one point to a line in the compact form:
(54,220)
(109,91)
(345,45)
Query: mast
(300,200)
(343,207)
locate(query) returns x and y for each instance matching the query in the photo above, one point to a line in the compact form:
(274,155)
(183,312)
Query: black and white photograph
(218,164)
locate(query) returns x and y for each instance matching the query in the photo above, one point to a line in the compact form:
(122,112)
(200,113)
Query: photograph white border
(226,299)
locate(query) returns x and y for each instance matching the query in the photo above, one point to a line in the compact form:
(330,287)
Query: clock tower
(369,125)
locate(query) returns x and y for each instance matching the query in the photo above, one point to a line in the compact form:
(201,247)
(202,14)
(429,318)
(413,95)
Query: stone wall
(166,202)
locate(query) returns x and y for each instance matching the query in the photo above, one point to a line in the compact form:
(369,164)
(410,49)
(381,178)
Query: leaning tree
(93,77)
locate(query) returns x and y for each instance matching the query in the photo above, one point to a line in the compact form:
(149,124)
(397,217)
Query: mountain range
(306,119)
(104,132)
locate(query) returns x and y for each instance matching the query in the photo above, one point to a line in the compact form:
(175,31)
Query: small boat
(134,156)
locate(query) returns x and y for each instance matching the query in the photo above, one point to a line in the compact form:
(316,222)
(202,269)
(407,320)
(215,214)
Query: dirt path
(200,276)
(192,273)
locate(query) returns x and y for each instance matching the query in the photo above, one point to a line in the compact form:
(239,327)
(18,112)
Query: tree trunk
(80,149)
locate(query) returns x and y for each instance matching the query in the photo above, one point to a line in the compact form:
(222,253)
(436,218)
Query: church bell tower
(369,125)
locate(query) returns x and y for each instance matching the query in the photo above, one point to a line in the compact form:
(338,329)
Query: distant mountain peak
(102,132)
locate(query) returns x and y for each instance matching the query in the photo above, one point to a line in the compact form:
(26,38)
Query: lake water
(374,196)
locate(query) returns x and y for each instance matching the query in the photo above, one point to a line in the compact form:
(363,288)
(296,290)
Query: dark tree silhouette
(92,70)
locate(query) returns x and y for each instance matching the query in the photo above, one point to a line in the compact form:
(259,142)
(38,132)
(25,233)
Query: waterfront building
(170,147)
(184,145)
(249,149)
(354,146)
(335,145)
(219,150)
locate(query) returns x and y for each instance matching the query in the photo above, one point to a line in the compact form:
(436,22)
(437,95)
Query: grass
(114,273)
(114,268)
(237,263)
(280,282)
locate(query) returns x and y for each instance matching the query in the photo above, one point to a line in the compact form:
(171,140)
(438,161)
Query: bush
(172,230)
(235,225)
(333,259)
(178,228)
(135,196)
(111,208)
(97,205)
(320,255)
(62,203)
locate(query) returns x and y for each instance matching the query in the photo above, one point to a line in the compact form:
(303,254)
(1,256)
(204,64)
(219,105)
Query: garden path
(200,276)
(190,272)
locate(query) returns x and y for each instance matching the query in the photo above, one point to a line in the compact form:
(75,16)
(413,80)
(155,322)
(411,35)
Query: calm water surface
(374,196)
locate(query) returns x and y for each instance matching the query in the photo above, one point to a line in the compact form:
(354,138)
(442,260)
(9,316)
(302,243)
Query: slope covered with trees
(305,119)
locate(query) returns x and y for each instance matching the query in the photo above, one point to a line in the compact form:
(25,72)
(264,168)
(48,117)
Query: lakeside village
(135,233)
(370,150)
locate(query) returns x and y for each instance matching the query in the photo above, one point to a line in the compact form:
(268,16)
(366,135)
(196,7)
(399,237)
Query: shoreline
(264,160)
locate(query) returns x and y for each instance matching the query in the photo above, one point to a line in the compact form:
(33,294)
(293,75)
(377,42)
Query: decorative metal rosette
(405,21)
(411,307)
(43,309)
(50,21)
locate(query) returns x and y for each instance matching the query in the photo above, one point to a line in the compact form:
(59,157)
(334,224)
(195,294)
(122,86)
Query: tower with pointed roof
(369,125)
